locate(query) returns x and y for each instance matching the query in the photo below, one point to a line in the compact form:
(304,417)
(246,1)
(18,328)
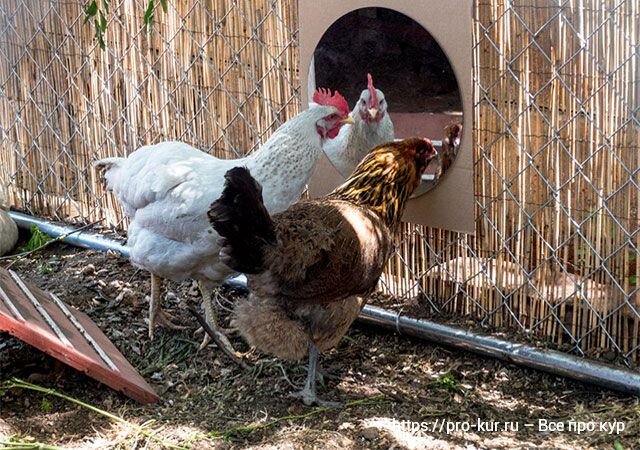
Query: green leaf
(447,381)
(148,15)
(633,279)
(105,5)
(91,10)
(46,269)
(103,22)
(163,3)
(99,34)
(46,405)
(101,41)
(37,239)
(617,445)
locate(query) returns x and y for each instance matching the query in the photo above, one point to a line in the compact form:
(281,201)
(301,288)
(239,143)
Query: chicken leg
(155,309)
(211,317)
(308,393)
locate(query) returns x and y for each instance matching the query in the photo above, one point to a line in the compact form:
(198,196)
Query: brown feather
(321,245)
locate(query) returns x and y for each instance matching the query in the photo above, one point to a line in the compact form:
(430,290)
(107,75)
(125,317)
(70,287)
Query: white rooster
(166,190)
(372,126)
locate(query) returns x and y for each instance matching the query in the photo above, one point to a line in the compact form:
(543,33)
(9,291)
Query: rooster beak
(347,120)
(373,112)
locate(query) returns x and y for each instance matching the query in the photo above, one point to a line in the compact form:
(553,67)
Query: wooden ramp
(41,319)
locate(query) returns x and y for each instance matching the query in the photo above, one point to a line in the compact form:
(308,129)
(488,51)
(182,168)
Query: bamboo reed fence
(556,143)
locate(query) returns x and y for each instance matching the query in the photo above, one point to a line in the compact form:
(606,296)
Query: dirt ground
(459,400)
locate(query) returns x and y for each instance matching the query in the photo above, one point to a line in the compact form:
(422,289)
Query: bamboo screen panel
(557,151)
(219,75)
(556,182)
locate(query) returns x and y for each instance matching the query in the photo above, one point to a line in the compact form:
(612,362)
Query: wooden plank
(44,321)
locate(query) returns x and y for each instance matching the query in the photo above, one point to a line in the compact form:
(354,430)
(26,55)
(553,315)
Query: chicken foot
(308,393)
(211,318)
(217,338)
(223,330)
(156,313)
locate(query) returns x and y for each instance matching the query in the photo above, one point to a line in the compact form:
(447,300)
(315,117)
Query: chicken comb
(373,98)
(322,96)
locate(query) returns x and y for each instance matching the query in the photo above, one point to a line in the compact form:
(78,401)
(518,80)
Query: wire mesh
(555,254)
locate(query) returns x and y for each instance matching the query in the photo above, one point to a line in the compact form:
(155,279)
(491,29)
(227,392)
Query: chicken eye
(362,101)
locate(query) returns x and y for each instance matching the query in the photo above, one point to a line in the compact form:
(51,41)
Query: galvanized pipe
(73,236)
(551,361)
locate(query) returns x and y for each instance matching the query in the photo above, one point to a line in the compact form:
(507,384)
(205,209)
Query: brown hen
(310,267)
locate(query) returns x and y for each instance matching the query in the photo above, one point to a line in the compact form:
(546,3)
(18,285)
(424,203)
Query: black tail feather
(241,219)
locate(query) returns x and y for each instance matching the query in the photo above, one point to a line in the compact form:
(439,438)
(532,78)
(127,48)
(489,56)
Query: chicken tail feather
(241,219)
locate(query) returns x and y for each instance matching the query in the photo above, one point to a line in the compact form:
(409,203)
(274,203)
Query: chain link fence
(555,255)
(218,75)
(556,182)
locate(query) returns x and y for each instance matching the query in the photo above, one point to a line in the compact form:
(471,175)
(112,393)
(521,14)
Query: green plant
(98,10)
(617,445)
(46,268)
(150,13)
(243,430)
(37,239)
(448,382)
(93,12)
(140,429)
(24,443)
(45,405)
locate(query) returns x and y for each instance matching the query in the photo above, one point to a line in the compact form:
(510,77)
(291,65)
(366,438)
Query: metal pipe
(551,361)
(81,238)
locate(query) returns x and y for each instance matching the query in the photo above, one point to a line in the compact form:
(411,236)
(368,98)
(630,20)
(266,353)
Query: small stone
(346,426)
(369,433)
(117,284)
(126,293)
